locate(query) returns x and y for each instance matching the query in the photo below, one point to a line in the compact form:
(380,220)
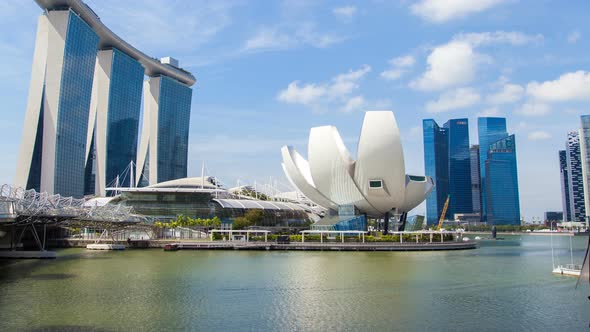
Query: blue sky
(268,71)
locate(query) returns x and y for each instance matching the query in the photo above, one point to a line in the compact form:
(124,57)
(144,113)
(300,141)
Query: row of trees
(186,221)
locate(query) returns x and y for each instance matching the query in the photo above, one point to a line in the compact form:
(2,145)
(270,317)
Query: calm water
(505,285)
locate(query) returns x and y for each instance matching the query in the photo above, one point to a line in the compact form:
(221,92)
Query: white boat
(573,270)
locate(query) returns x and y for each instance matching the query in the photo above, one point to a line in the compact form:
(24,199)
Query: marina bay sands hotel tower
(85,102)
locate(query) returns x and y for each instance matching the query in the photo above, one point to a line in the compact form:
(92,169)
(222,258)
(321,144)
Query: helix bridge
(22,210)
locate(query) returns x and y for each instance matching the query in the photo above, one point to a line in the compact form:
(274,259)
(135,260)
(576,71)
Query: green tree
(241,223)
(255,216)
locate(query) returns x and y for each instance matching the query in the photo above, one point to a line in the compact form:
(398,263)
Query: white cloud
(539,135)
(449,65)
(346,12)
(438,11)
(281,38)
(568,87)
(455,63)
(149,25)
(354,104)
(533,109)
(399,66)
(509,93)
(335,92)
(306,94)
(403,61)
(493,111)
(476,39)
(573,37)
(456,99)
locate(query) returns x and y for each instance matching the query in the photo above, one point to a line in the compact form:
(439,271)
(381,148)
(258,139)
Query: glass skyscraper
(459,167)
(475,179)
(436,161)
(173,122)
(52,157)
(585,155)
(575,178)
(490,130)
(163,152)
(84,105)
(503,206)
(118,84)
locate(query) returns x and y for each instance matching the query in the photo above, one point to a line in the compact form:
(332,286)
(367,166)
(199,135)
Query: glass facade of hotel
(173,129)
(503,206)
(436,161)
(459,167)
(490,130)
(81,44)
(123,113)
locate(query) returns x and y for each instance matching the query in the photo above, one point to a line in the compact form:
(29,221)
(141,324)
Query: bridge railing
(31,204)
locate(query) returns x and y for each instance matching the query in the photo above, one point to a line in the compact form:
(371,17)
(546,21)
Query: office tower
(565,191)
(53,148)
(475,178)
(436,161)
(163,152)
(114,119)
(503,206)
(459,167)
(585,158)
(489,130)
(575,180)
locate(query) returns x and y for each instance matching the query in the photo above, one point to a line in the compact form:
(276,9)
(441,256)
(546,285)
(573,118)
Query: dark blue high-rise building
(490,130)
(459,167)
(503,205)
(436,162)
(447,161)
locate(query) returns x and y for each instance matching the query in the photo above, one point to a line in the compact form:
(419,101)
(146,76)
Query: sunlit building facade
(490,130)
(84,106)
(503,204)
(53,148)
(447,159)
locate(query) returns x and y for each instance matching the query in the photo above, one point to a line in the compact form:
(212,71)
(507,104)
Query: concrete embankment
(237,245)
(374,246)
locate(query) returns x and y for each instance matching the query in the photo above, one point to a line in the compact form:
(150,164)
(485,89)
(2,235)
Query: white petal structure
(376,183)
(297,170)
(381,158)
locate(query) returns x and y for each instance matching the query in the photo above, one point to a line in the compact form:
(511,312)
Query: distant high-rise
(446,152)
(585,158)
(84,105)
(436,161)
(490,130)
(575,180)
(475,179)
(565,187)
(503,205)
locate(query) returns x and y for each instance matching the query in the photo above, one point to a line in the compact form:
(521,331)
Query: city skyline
(515,77)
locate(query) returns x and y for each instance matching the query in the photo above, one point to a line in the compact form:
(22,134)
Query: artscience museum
(374,185)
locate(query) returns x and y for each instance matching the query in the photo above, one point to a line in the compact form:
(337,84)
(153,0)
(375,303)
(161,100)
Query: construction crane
(443,213)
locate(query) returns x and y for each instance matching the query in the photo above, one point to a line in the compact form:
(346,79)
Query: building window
(375,184)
